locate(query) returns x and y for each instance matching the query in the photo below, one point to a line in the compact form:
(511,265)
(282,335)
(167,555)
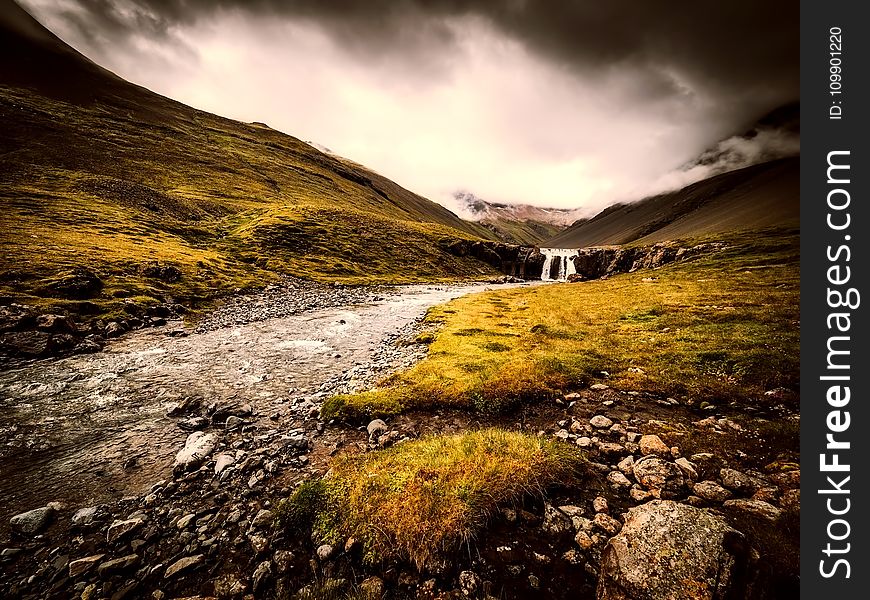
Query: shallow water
(68,426)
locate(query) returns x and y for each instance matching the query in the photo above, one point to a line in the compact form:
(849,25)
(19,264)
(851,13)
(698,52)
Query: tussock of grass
(428,496)
(722,327)
(335,589)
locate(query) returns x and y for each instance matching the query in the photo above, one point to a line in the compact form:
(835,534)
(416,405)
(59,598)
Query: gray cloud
(563,102)
(736,48)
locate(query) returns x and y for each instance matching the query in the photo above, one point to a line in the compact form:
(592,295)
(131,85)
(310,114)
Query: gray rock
(259,543)
(193,423)
(222,462)
(325,552)
(187,563)
(611,449)
(600,422)
(233,422)
(757,508)
(671,551)
(185,521)
(626,465)
(583,540)
(283,561)
(376,429)
(196,449)
(117,565)
(9,554)
(737,481)
(653,444)
(264,518)
(555,521)
(710,490)
(114,329)
(32,521)
(617,480)
(607,523)
(53,323)
(688,468)
(28,344)
(662,477)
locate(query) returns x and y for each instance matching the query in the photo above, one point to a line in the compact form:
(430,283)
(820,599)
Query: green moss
(297,513)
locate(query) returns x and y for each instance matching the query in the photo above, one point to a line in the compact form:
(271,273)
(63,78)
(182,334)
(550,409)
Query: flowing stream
(91,427)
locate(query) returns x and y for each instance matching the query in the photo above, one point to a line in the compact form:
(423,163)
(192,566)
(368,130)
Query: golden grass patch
(424,497)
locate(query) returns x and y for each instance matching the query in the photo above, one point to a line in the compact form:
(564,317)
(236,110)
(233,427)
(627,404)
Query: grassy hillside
(106,178)
(721,328)
(763,195)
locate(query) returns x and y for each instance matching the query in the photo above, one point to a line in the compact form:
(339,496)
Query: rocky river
(157,468)
(91,427)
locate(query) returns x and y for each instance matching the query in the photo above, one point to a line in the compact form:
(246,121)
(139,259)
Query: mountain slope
(515,223)
(105,177)
(763,195)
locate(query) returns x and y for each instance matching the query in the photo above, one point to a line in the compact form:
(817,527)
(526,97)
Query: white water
(566,265)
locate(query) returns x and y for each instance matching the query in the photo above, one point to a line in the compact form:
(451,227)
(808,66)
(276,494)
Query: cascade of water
(564,264)
(548,261)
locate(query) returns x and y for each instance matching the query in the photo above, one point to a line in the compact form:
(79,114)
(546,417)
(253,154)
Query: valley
(235,366)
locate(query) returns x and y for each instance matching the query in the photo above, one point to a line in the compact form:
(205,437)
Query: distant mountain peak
(474,208)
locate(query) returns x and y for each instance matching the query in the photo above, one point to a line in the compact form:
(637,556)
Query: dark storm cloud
(730,49)
(549,102)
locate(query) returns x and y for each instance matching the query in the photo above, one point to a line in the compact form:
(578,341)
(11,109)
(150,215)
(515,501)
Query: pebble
(600,422)
(325,552)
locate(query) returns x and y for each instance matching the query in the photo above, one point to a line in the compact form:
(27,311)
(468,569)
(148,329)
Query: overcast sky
(550,102)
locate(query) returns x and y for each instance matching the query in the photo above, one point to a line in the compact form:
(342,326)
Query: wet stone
(33,521)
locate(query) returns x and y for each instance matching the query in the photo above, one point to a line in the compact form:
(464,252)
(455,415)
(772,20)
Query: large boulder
(672,551)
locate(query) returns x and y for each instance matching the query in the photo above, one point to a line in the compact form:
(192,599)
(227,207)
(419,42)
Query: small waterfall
(558,264)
